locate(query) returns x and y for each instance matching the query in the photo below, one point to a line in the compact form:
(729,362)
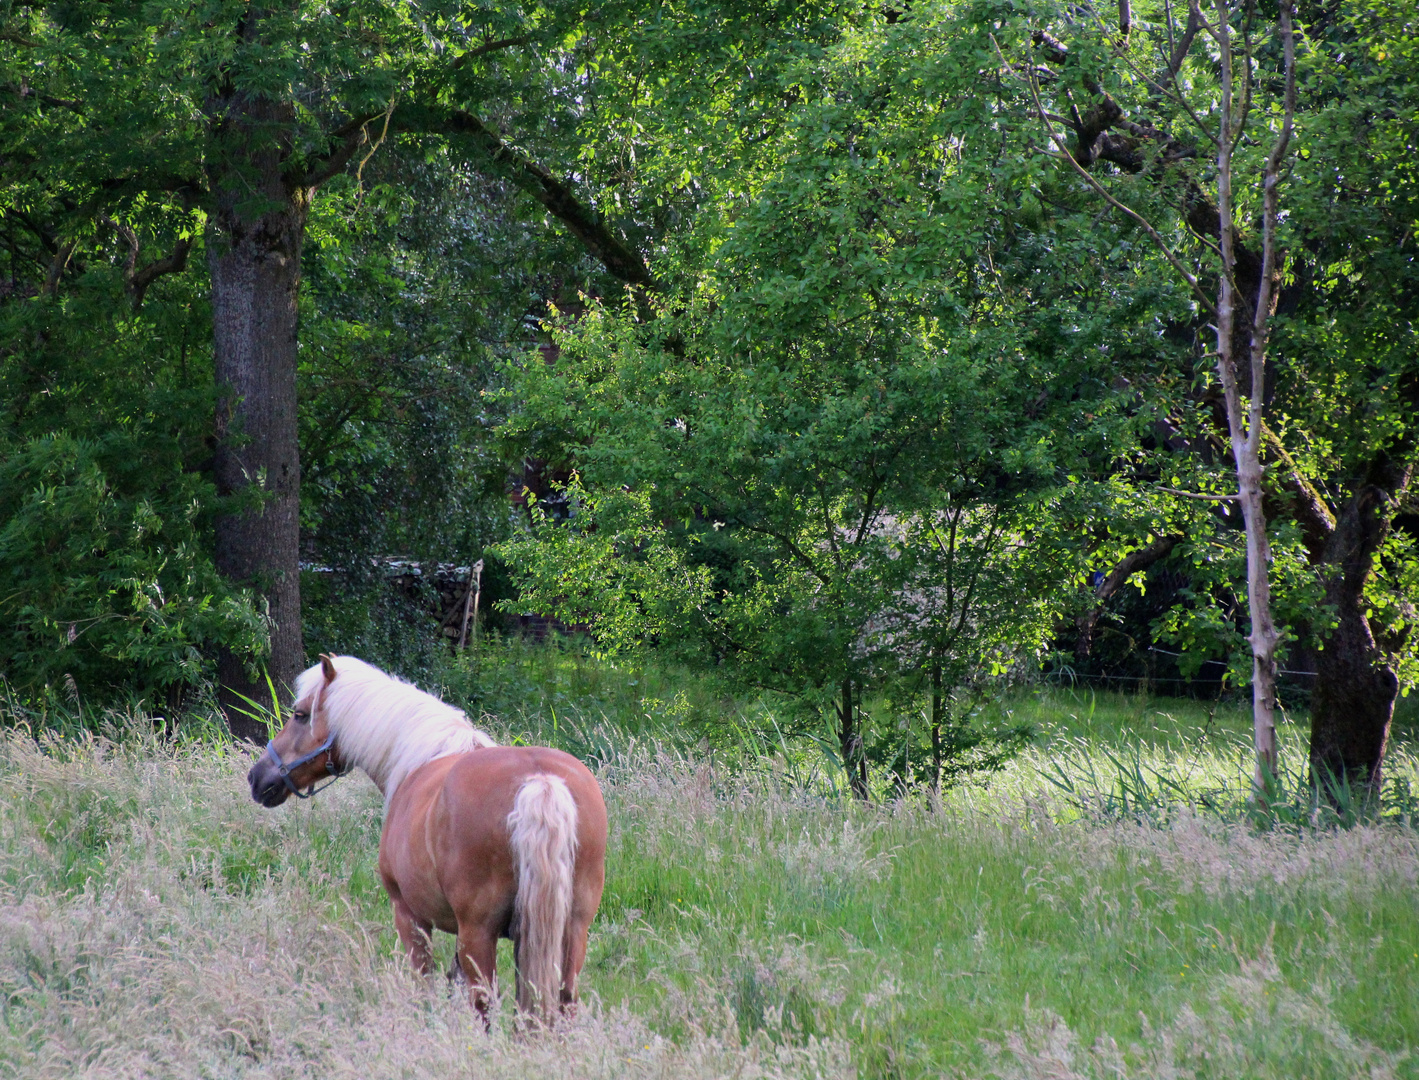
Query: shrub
(105,585)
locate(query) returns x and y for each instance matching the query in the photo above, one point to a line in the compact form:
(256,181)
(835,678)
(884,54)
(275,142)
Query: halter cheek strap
(285,768)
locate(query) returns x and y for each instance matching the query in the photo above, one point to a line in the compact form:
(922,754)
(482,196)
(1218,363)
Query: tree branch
(1198,494)
(351,135)
(1130,564)
(1161,244)
(491,46)
(797,552)
(174,263)
(57,265)
(1308,507)
(560,201)
(1184,44)
(1134,561)
(25,90)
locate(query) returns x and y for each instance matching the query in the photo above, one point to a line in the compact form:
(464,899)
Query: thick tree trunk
(1352,702)
(1352,705)
(254,247)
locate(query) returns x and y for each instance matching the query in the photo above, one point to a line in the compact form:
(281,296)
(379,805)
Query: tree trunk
(254,246)
(1264,636)
(1352,703)
(937,718)
(1245,428)
(850,742)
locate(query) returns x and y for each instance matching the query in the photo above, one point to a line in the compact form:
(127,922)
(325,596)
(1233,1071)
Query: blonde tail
(542,827)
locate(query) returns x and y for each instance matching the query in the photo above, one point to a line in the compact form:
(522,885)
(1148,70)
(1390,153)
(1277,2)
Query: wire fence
(1199,681)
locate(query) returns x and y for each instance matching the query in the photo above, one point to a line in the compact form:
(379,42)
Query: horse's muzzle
(267,786)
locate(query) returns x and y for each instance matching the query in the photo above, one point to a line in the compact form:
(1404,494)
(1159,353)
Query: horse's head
(304,751)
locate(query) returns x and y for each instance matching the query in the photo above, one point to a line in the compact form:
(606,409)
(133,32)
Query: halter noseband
(285,769)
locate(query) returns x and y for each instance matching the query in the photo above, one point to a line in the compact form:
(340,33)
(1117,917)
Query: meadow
(1104,907)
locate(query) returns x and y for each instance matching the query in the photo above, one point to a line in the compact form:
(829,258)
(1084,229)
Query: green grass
(154,921)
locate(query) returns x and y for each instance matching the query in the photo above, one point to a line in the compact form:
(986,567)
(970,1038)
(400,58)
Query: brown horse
(480,841)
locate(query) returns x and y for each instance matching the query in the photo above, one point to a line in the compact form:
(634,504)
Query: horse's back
(446,835)
(489,779)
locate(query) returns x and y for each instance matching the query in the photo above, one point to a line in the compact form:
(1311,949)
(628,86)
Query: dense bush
(107,585)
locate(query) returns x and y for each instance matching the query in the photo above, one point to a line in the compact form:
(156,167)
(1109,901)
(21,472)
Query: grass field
(156,922)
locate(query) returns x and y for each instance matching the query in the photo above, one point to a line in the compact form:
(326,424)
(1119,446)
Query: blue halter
(285,770)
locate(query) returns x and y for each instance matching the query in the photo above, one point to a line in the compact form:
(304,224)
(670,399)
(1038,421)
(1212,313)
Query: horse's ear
(327,666)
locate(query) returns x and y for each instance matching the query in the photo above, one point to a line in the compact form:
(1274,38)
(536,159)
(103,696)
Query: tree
(776,473)
(1141,141)
(1345,459)
(110,591)
(229,122)
(1255,294)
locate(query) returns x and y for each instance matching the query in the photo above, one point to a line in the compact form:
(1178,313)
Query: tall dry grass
(156,922)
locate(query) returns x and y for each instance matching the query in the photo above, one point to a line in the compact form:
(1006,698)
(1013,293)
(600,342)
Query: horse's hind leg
(573,957)
(478,956)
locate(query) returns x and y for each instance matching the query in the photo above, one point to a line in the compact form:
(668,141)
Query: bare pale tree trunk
(1245,427)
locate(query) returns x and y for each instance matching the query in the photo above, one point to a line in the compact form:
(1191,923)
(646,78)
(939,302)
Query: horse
(480,841)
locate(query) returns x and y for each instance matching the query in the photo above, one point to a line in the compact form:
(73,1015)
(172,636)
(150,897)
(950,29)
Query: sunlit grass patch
(980,922)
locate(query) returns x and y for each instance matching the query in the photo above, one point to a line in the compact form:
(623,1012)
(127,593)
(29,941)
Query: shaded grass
(154,921)
(1107,752)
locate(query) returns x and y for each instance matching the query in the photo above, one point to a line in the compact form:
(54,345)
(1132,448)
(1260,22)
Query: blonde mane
(386,726)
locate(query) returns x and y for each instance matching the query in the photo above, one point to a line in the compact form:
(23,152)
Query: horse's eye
(301,716)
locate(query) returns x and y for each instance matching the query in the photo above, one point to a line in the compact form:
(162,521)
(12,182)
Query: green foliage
(107,584)
(1211,619)
(835,454)
(1342,393)
(105,575)
(127,129)
(402,328)
(903,387)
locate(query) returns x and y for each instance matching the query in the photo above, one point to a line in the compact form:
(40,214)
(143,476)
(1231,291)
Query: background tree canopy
(856,381)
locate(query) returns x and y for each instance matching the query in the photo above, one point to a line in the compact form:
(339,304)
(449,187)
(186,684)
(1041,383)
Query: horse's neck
(378,772)
(404,754)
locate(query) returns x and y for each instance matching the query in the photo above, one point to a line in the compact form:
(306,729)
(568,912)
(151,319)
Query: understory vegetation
(1075,915)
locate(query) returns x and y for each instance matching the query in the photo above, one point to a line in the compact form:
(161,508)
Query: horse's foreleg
(416,935)
(478,956)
